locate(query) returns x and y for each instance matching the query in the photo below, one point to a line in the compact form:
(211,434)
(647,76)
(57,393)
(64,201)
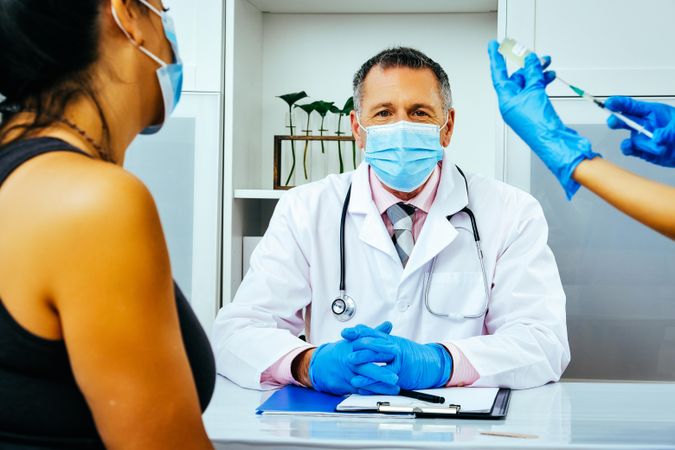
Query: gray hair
(402,57)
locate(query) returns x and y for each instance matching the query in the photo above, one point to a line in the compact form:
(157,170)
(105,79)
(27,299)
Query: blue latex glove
(654,116)
(527,109)
(418,366)
(330,370)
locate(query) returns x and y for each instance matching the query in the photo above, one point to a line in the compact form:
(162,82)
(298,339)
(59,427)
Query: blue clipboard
(298,399)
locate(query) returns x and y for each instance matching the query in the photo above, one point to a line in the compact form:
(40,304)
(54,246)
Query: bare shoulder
(81,195)
(71,214)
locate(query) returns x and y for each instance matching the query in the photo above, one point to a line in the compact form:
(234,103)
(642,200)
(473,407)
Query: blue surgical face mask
(403,154)
(170,76)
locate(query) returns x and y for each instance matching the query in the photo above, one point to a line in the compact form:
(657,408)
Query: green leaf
(293,98)
(322,107)
(334,109)
(349,106)
(307,107)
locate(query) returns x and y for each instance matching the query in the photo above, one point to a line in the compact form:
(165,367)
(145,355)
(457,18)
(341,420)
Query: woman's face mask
(170,76)
(403,154)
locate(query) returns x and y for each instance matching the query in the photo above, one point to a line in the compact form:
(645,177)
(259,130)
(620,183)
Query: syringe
(631,123)
(517,53)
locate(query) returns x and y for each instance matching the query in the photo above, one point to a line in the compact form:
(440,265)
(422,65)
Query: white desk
(563,416)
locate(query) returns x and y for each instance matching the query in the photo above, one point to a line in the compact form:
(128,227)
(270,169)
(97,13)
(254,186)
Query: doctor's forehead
(401,87)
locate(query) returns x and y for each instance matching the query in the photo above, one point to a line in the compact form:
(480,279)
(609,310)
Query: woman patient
(98,346)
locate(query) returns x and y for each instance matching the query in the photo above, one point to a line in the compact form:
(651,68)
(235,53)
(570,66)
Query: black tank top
(41,406)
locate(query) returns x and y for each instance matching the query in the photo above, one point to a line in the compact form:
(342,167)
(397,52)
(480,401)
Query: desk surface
(563,415)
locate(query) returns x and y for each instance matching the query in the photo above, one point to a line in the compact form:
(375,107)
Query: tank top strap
(15,154)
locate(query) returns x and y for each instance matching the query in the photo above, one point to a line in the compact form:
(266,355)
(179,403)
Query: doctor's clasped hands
(418,366)
(372,361)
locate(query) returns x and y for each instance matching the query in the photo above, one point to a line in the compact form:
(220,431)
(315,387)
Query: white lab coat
(294,277)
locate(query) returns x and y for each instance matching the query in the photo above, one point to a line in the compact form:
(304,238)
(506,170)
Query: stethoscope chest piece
(343,307)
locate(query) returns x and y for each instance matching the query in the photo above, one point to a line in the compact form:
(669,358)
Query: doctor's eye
(383,113)
(420,113)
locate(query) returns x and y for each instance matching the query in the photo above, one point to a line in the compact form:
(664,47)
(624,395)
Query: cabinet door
(199,26)
(617,273)
(181,166)
(607,47)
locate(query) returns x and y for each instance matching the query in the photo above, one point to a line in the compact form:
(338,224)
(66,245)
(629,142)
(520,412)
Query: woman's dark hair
(46,50)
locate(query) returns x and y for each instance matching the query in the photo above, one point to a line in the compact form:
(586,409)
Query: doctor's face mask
(403,154)
(170,76)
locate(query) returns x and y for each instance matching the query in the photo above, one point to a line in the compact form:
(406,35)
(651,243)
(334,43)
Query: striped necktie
(401,216)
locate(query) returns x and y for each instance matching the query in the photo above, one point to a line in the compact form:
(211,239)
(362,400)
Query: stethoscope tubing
(350,311)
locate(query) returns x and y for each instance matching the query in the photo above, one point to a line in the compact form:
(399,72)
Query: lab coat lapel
(362,209)
(437,232)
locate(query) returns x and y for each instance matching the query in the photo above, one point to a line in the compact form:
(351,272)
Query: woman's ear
(446,133)
(126,15)
(357,131)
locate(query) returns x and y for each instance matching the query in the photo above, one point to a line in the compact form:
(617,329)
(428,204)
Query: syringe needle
(631,123)
(516,53)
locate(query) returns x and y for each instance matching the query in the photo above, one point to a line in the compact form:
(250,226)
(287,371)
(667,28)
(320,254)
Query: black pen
(422,396)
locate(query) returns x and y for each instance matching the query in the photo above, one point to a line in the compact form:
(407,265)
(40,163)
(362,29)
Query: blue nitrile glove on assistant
(418,366)
(330,369)
(654,116)
(527,109)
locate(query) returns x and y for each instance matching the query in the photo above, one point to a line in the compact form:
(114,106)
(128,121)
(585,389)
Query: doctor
(410,263)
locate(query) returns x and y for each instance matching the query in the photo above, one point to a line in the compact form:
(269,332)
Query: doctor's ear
(446,133)
(126,14)
(357,131)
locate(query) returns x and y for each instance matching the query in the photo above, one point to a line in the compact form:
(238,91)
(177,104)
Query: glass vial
(513,51)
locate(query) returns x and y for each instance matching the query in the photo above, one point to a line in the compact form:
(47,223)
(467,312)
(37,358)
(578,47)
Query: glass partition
(619,275)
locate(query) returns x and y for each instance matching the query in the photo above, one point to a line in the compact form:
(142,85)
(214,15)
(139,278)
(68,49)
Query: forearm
(521,357)
(300,367)
(647,201)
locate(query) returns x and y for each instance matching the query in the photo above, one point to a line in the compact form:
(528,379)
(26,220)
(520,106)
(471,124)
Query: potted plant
(291,99)
(345,111)
(309,109)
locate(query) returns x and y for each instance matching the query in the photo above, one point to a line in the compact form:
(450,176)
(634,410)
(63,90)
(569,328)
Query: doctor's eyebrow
(424,106)
(390,105)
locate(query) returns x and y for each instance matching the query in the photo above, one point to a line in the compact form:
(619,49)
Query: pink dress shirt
(463,372)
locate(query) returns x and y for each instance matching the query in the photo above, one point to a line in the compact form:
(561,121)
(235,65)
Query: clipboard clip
(387,408)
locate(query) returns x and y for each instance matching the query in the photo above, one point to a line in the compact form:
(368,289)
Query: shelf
(374,6)
(258,194)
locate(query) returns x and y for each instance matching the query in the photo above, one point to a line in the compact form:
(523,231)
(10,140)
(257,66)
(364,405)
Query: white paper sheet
(470,399)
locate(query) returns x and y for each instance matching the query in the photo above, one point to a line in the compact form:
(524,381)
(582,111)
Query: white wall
(320,53)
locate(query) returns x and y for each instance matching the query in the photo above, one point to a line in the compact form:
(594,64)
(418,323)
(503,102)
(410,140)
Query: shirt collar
(384,199)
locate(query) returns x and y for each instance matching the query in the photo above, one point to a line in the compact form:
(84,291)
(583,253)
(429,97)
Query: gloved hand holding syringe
(516,53)
(528,111)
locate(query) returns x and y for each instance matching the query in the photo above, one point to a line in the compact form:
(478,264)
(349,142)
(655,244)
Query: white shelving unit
(274,47)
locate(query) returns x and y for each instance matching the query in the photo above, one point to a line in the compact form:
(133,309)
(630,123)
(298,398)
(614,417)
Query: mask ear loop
(447,120)
(358,120)
(136,44)
(152,8)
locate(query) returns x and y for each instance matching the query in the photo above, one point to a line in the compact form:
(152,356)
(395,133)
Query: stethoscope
(344,306)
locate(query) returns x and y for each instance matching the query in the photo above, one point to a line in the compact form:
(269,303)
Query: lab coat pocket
(457,295)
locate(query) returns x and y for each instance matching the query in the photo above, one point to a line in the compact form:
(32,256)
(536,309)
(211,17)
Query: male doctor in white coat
(417,311)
